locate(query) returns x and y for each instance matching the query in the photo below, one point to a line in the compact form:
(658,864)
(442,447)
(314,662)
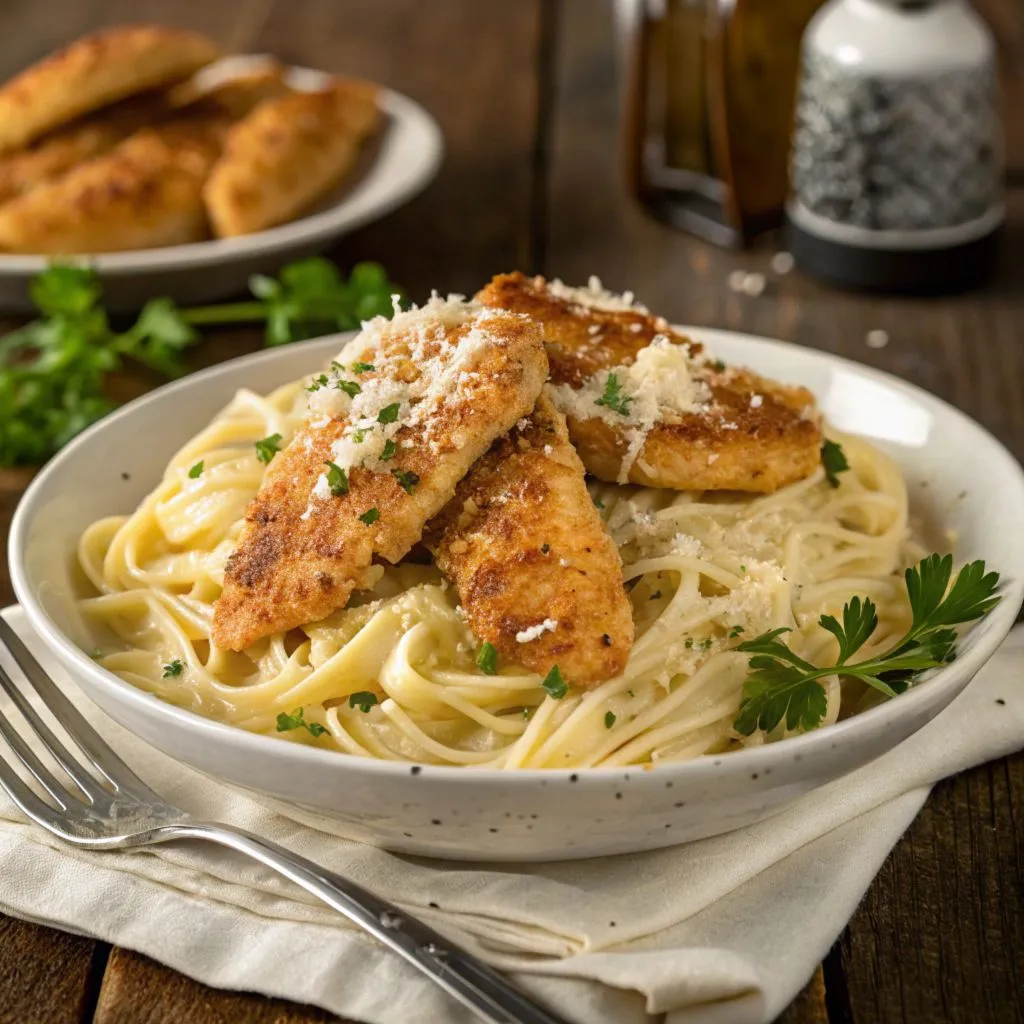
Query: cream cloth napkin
(723,931)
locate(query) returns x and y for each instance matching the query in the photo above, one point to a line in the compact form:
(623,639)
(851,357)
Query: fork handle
(462,975)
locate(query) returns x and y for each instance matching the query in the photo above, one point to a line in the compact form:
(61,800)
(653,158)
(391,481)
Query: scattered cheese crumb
(756,401)
(595,296)
(526,635)
(782,263)
(712,458)
(877,338)
(753,284)
(548,449)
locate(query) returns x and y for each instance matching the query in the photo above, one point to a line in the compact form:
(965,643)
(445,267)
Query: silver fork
(103,805)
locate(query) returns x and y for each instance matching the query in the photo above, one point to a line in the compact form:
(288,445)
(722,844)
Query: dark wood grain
(137,990)
(46,976)
(808,1007)
(1006,19)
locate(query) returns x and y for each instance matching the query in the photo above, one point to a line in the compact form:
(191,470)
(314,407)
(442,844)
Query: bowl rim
(751,759)
(315,227)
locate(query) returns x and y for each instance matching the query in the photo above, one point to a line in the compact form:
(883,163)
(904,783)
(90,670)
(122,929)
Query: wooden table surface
(526,96)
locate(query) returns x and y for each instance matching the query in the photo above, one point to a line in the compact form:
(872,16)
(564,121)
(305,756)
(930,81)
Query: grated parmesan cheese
(658,386)
(756,401)
(595,296)
(526,635)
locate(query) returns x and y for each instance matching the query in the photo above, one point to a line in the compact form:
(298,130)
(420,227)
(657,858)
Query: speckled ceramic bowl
(974,486)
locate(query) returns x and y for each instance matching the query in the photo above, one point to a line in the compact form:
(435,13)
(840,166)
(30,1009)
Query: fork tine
(38,810)
(97,752)
(36,768)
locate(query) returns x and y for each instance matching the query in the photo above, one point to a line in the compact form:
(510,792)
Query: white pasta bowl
(958,475)
(400,163)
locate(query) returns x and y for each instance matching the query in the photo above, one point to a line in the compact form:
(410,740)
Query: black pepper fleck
(415,770)
(434,906)
(755,776)
(1000,702)
(574,777)
(435,821)
(618,796)
(492,830)
(126,476)
(611,924)
(679,803)
(606,640)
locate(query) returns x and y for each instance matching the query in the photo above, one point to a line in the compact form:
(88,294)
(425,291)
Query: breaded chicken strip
(643,404)
(537,573)
(235,96)
(67,147)
(94,71)
(145,193)
(394,427)
(287,154)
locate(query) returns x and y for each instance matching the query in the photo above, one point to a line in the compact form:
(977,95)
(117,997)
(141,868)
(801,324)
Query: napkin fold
(722,931)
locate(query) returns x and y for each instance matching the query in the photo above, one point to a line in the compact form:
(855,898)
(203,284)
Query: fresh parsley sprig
(55,371)
(833,461)
(782,686)
(613,398)
(297,720)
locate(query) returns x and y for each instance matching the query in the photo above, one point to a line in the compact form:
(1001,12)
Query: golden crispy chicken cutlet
(646,406)
(234,96)
(144,193)
(67,147)
(537,573)
(394,426)
(93,71)
(288,153)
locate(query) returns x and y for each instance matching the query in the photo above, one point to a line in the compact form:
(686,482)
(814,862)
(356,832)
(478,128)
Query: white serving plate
(405,158)
(958,475)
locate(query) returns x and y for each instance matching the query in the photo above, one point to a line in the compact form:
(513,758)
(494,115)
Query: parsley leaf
(389,450)
(782,686)
(364,700)
(487,659)
(54,372)
(389,414)
(296,720)
(613,398)
(370,516)
(609,719)
(833,459)
(555,684)
(337,480)
(196,471)
(268,448)
(350,387)
(362,367)
(407,478)
(173,669)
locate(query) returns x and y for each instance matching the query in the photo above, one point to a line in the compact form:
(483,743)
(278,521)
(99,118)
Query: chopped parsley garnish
(655,596)
(734,631)
(833,460)
(174,668)
(407,478)
(782,686)
(598,503)
(196,471)
(545,548)
(370,516)
(389,450)
(296,720)
(359,436)
(613,398)
(268,448)
(317,383)
(609,719)
(718,366)
(364,700)
(362,367)
(350,387)
(337,480)
(554,683)
(389,414)
(487,659)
